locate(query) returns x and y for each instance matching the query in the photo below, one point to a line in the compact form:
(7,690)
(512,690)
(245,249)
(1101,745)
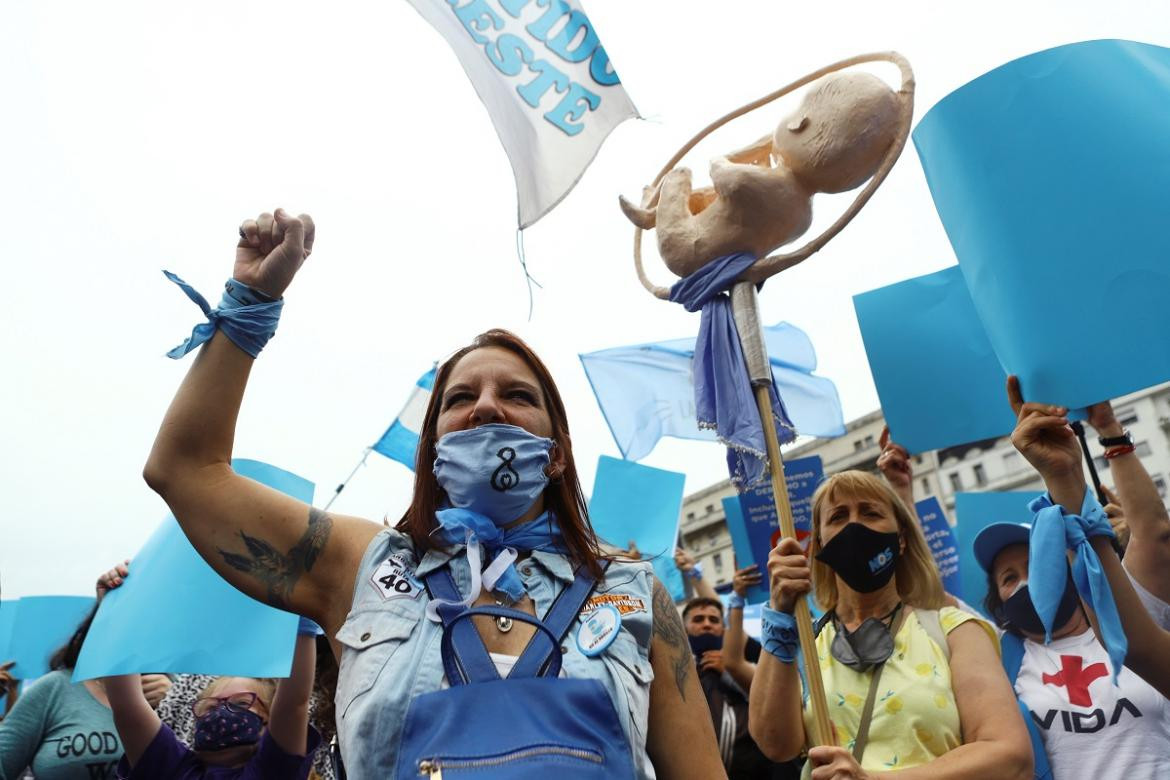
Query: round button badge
(598,631)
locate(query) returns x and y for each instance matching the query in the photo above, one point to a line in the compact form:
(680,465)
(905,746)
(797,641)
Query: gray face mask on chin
(871,644)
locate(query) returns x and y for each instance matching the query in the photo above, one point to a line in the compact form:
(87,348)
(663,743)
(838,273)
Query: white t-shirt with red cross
(1091,727)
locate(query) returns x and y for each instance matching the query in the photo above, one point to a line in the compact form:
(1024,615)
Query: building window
(925,486)
(956,482)
(690,515)
(857,445)
(869,441)
(1142,448)
(710,508)
(1011,461)
(1160,484)
(918,460)
(717,559)
(1127,417)
(1100,463)
(980,475)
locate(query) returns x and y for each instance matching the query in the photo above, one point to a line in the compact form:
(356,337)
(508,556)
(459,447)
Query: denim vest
(390,651)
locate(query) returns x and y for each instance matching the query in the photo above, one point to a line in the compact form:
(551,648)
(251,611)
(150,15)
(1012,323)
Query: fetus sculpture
(848,128)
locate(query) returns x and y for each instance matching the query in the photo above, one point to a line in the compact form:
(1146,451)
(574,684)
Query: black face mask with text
(862,557)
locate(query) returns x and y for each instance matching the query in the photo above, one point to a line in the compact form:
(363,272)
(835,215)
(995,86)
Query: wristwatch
(1124,440)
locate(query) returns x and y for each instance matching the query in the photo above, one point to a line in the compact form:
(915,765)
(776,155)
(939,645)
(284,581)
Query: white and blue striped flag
(400,441)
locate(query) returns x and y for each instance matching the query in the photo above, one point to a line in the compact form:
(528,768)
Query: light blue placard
(938,379)
(737,527)
(42,625)
(974,512)
(1050,175)
(941,541)
(187,619)
(635,502)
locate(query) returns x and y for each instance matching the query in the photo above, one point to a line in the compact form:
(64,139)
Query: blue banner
(941,541)
(1050,176)
(632,502)
(974,512)
(185,618)
(754,525)
(647,391)
(40,626)
(938,379)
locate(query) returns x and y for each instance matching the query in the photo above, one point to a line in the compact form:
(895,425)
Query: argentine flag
(400,440)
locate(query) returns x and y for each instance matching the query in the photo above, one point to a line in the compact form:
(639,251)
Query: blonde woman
(941,708)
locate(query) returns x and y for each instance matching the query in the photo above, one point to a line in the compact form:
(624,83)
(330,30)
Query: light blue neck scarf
(479,533)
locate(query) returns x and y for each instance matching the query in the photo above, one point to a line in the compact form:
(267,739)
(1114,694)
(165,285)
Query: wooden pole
(745,308)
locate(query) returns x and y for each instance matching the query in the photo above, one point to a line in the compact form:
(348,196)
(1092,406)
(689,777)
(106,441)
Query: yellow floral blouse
(915,719)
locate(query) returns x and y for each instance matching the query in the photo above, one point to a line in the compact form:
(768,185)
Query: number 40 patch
(393,581)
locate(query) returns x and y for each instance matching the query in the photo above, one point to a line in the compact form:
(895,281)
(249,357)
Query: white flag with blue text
(400,441)
(547,82)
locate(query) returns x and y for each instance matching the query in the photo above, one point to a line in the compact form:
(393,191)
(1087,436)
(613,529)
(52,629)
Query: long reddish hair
(563,496)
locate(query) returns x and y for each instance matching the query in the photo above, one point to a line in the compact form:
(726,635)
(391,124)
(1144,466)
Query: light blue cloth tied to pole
(479,533)
(1053,531)
(724,399)
(242,315)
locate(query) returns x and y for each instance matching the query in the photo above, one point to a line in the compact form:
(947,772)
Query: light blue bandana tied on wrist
(1053,531)
(779,633)
(245,316)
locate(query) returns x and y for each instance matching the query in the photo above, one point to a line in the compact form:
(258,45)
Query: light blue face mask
(495,470)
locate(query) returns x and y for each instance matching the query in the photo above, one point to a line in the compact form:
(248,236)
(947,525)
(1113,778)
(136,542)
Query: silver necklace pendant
(503,623)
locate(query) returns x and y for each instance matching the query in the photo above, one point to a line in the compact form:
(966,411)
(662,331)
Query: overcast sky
(136,136)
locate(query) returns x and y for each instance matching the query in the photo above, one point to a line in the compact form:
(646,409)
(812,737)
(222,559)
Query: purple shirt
(167,757)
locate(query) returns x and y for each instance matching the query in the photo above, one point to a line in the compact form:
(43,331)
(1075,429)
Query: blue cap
(997,536)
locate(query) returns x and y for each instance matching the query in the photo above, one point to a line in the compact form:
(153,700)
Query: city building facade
(989,465)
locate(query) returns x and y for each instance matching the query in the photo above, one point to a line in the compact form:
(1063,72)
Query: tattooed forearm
(280,572)
(669,628)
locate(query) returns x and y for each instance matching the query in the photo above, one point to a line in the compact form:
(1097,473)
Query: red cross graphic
(1076,680)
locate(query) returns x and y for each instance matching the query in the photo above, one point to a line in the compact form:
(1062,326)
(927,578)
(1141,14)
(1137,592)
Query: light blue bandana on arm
(1053,531)
(244,315)
(724,399)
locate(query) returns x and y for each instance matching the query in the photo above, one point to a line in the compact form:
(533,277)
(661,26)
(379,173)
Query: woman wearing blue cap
(1090,716)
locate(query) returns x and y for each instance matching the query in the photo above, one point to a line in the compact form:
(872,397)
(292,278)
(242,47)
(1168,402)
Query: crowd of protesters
(490,631)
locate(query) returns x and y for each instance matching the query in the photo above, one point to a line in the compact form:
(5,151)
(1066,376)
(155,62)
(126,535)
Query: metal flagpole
(341,487)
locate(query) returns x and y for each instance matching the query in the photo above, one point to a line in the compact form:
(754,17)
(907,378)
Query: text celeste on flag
(546,81)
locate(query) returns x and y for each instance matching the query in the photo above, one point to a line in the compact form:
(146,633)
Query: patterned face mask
(226,727)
